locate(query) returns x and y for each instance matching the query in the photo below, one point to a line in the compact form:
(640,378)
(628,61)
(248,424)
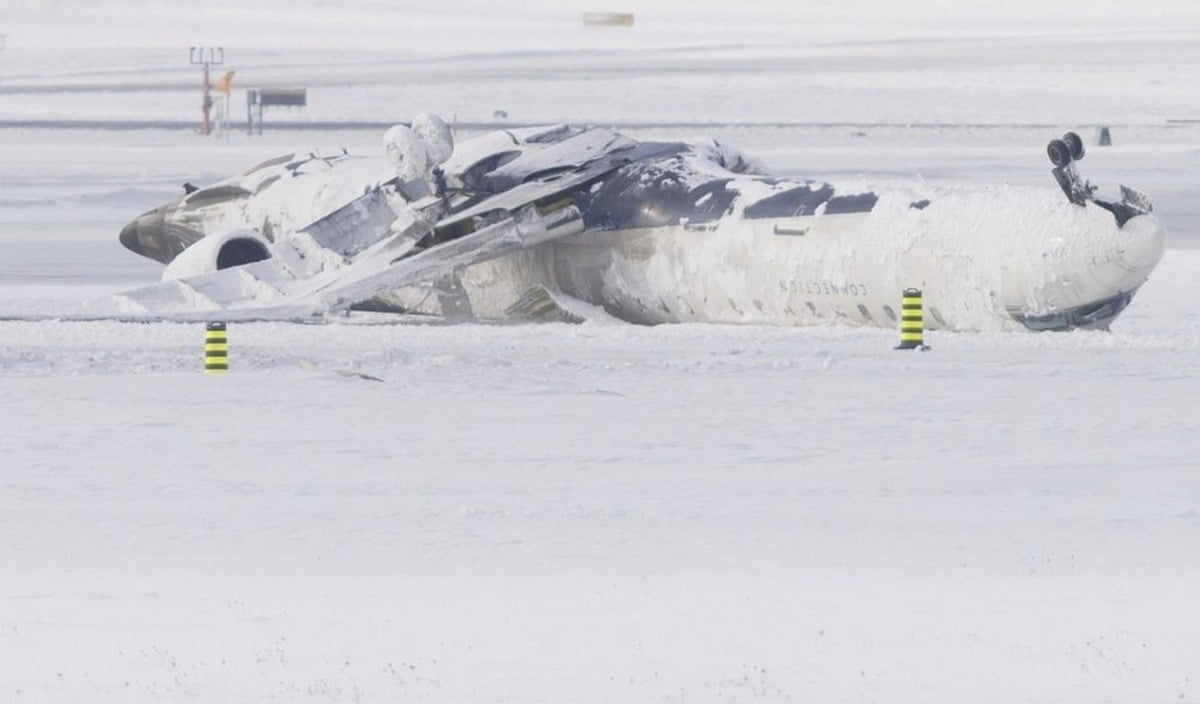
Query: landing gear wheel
(1075,142)
(1059,152)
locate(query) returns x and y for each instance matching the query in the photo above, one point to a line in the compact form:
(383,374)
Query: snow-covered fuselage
(688,232)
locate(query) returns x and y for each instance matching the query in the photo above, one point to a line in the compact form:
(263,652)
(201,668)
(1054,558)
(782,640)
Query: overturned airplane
(558,222)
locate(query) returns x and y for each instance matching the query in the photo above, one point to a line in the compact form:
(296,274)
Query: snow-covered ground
(602,512)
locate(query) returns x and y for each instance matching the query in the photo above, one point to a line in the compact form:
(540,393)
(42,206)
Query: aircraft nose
(1126,261)
(1146,240)
(1089,286)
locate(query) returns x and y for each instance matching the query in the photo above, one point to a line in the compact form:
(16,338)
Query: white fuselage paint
(1036,253)
(979,254)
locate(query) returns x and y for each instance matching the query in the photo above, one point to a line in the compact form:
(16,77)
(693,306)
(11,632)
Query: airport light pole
(206,56)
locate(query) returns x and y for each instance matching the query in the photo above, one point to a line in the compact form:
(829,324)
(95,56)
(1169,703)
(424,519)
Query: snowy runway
(601,512)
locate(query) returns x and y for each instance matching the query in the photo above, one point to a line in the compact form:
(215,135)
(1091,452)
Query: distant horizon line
(334,125)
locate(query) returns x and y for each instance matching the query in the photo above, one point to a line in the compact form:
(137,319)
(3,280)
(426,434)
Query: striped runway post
(912,321)
(216,349)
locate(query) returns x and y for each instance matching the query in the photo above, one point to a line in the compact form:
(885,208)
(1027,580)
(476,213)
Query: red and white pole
(207,106)
(207,57)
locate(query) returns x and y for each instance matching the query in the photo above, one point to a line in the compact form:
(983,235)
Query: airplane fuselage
(848,268)
(673,232)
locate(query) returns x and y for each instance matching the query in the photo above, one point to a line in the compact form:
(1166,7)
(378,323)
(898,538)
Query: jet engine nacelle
(216,252)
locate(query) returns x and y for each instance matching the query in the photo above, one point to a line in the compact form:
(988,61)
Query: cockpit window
(1091,315)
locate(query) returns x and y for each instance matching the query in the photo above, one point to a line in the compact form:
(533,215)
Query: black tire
(1075,142)
(1059,152)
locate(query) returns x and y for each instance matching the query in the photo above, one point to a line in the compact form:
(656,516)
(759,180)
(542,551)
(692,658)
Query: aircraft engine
(436,134)
(217,252)
(407,154)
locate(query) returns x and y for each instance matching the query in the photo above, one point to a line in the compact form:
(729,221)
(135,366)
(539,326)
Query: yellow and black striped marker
(912,321)
(216,349)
